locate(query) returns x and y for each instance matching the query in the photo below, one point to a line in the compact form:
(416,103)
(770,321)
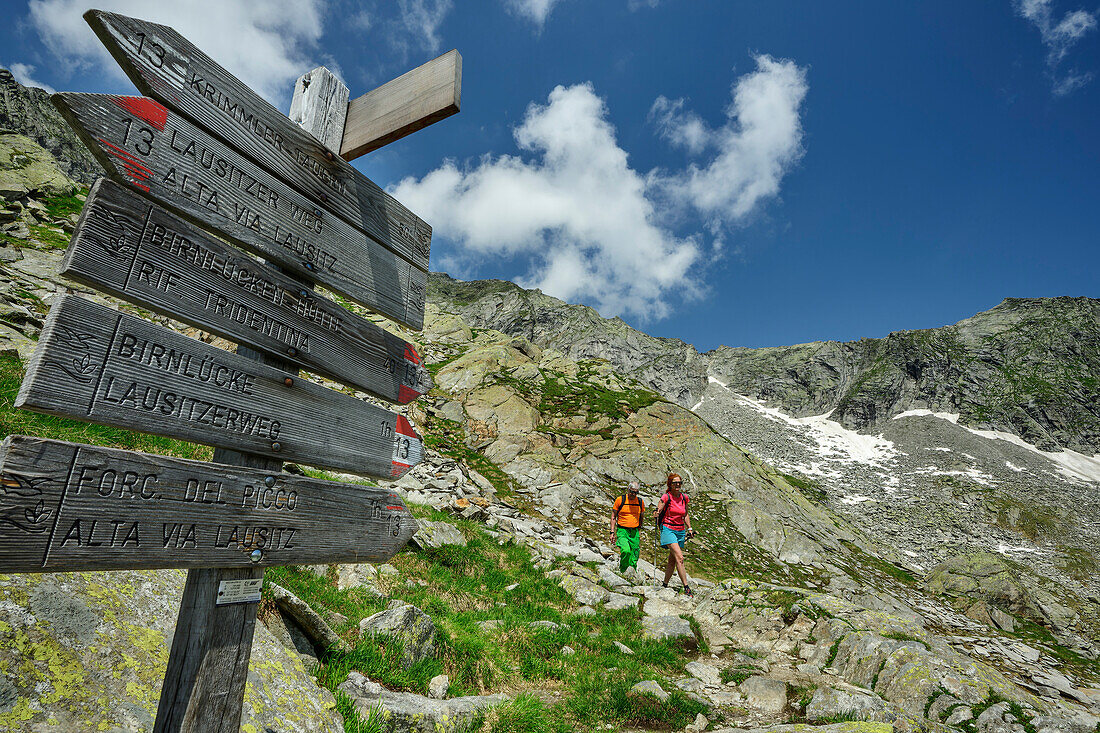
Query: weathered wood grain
(133,249)
(429,93)
(96,364)
(160,153)
(168,67)
(72,507)
(203,688)
(320,106)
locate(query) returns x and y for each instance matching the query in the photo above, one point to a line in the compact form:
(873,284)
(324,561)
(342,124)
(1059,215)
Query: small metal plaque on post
(245,590)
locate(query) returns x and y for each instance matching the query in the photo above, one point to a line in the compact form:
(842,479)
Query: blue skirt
(673,536)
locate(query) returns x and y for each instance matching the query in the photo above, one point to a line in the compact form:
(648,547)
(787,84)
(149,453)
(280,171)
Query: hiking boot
(689,592)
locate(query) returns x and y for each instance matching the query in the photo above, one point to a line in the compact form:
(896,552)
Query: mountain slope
(1029,366)
(28,111)
(670,366)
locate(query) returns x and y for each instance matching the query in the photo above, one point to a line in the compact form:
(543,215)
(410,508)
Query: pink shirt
(675,510)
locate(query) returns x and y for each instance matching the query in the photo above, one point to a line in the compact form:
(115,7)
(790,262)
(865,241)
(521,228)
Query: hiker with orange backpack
(675,530)
(626,522)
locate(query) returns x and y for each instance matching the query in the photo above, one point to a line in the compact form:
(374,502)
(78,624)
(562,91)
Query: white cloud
(536,11)
(417,24)
(574,208)
(590,228)
(361,20)
(266,43)
(749,155)
(22,74)
(1059,36)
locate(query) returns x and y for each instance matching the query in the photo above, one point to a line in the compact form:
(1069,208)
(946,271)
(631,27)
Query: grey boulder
(829,702)
(407,624)
(405,712)
(669,627)
(437,534)
(584,591)
(649,687)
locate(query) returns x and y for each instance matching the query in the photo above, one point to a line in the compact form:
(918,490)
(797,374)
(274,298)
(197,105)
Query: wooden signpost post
(208,149)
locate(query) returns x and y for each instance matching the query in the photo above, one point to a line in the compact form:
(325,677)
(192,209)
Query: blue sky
(724,172)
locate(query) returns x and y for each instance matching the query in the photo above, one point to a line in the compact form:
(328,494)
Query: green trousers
(629,547)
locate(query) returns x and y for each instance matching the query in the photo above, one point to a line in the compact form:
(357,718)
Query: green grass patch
(809,488)
(22,422)
(736,675)
(574,397)
(1078,563)
(899,636)
(461,586)
(47,236)
(877,564)
(526,714)
(375,721)
(62,207)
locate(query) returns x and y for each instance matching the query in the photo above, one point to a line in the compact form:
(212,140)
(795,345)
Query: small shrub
(899,636)
(736,675)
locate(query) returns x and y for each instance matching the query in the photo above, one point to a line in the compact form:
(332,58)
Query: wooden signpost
(133,249)
(165,65)
(425,95)
(162,154)
(97,364)
(65,506)
(209,149)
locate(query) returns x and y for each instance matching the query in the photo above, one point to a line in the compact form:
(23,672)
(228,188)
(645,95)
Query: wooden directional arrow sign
(165,65)
(96,364)
(66,506)
(141,143)
(133,249)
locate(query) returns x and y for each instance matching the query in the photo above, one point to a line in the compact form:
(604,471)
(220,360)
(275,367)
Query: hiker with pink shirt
(674,524)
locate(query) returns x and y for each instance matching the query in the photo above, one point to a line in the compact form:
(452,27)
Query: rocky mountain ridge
(28,111)
(1026,366)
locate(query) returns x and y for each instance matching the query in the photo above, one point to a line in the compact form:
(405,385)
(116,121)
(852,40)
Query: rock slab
(405,712)
(407,624)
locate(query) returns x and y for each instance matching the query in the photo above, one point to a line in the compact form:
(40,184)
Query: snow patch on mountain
(834,441)
(924,484)
(1073,465)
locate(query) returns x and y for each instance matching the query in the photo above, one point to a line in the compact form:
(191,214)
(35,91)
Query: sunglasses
(677,483)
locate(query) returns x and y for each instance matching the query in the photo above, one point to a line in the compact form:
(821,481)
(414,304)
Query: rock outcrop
(27,169)
(671,367)
(87,651)
(29,111)
(1024,367)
